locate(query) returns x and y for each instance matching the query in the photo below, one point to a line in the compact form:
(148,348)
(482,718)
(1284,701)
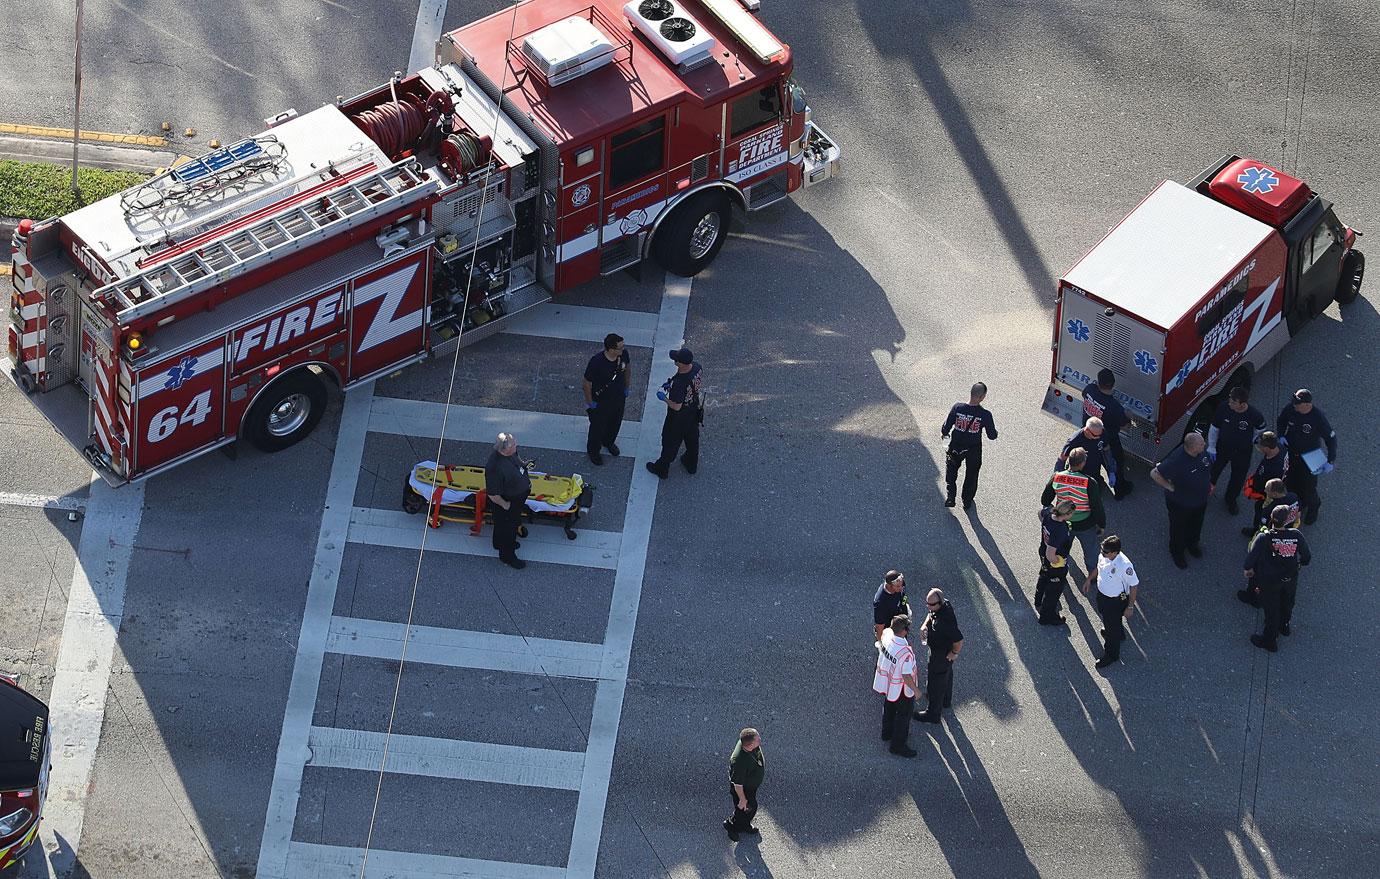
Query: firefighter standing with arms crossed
(1235,428)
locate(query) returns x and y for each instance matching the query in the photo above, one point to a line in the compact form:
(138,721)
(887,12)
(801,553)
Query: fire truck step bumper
(821,155)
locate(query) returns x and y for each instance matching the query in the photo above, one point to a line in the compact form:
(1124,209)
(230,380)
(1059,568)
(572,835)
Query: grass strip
(38,190)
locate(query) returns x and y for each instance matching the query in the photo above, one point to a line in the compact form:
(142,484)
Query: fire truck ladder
(269,238)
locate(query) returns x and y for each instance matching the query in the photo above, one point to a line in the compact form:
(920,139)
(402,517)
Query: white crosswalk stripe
(476,424)
(543,543)
(556,320)
(461,649)
(446,758)
(317,861)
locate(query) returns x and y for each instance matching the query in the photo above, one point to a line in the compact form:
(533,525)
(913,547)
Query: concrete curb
(96,155)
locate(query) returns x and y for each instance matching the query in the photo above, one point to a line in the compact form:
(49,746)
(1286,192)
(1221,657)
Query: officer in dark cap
(1306,430)
(684,411)
(1273,562)
(1230,439)
(1099,401)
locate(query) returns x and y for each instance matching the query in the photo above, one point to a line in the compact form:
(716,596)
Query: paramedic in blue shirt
(1093,439)
(1099,402)
(1187,484)
(1305,428)
(1235,428)
(963,428)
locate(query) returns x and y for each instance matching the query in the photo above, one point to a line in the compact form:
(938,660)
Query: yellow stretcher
(456,494)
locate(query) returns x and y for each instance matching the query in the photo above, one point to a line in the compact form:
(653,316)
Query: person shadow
(984,816)
(748,856)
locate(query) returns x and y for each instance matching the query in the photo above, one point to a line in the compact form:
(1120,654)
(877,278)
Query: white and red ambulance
(1195,290)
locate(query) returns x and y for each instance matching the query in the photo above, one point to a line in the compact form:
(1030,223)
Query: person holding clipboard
(1312,449)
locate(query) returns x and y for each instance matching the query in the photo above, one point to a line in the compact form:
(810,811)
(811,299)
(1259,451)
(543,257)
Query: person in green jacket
(746,767)
(1084,491)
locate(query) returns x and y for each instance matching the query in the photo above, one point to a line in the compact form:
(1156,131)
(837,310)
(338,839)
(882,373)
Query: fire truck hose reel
(401,125)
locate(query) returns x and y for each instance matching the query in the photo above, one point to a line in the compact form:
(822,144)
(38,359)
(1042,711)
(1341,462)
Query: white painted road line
(555,320)
(462,649)
(340,862)
(42,501)
(335,748)
(95,609)
(543,543)
(627,595)
(475,424)
(311,642)
(431,16)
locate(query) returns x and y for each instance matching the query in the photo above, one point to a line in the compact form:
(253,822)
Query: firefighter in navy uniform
(966,422)
(1276,495)
(606,383)
(1304,428)
(1100,402)
(1233,433)
(1274,464)
(1273,562)
(684,409)
(1056,540)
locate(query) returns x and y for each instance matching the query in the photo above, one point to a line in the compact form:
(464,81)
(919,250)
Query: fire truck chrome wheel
(288,415)
(704,236)
(286,411)
(687,242)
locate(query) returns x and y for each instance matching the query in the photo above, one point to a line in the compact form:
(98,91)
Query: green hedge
(38,190)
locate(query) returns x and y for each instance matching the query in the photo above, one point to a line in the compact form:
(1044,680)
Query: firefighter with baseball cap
(684,411)
(1306,430)
(1056,539)
(895,680)
(1273,464)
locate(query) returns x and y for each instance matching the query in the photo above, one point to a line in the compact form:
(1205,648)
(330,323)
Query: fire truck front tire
(691,237)
(286,412)
(1353,272)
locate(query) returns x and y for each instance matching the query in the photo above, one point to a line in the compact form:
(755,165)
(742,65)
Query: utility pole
(76,106)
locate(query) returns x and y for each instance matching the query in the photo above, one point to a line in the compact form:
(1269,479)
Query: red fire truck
(1193,292)
(551,143)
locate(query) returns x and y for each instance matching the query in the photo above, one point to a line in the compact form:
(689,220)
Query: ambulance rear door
(1091,335)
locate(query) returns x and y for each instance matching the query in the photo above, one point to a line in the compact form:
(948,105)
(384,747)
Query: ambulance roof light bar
(747,29)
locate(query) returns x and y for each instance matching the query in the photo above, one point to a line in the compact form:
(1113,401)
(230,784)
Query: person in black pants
(507,485)
(1056,540)
(966,421)
(941,633)
(1273,465)
(746,768)
(1099,401)
(1184,476)
(1117,587)
(1273,563)
(1305,429)
(1235,428)
(606,382)
(681,394)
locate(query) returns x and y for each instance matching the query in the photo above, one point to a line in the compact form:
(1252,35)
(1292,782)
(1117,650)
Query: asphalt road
(988,145)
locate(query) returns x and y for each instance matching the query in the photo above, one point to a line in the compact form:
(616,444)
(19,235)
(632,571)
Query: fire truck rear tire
(286,411)
(691,237)
(1353,271)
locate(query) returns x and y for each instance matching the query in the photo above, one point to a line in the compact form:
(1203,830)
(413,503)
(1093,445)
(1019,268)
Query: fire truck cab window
(754,110)
(1318,247)
(637,152)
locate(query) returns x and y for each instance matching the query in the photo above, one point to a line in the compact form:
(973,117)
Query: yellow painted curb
(92,136)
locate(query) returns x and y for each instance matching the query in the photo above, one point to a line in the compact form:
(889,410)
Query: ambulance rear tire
(286,412)
(691,237)
(1353,271)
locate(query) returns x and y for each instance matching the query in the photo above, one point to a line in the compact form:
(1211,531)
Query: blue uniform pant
(1240,462)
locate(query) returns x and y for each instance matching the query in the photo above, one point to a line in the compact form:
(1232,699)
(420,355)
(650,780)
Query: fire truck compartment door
(180,406)
(1090,339)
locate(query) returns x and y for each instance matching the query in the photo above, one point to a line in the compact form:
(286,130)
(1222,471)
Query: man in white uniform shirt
(1116,594)
(895,680)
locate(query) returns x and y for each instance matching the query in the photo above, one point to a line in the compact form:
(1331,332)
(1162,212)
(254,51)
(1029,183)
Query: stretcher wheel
(412,503)
(569,533)
(522,531)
